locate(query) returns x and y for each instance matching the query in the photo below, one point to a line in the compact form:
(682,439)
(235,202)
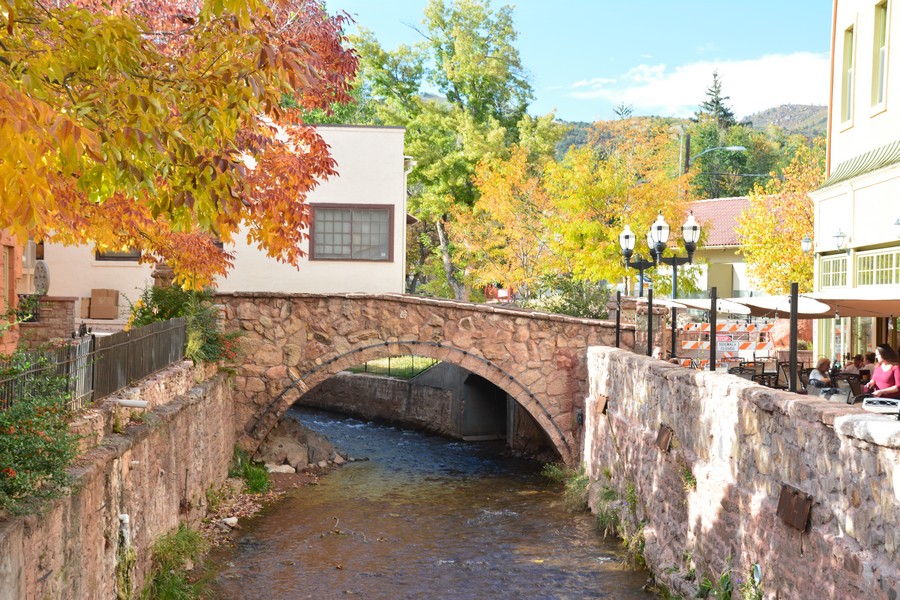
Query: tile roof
(718,218)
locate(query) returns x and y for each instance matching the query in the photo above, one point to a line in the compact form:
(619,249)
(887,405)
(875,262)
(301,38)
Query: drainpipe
(131,403)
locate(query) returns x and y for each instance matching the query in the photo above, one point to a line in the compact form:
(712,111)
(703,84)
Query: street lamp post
(657,238)
(626,241)
(690,233)
(687,152)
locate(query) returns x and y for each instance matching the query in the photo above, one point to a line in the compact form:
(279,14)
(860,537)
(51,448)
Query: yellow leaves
(777,220)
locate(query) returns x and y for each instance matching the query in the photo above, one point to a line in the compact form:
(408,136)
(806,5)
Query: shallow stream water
(423,517)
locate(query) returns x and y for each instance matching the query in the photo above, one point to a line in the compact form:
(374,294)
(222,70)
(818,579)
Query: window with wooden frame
(352,232)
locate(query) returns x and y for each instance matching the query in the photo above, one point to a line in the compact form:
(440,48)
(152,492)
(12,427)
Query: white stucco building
(357,233)
(857,209)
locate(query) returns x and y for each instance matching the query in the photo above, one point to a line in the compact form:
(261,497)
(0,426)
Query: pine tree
(714,105)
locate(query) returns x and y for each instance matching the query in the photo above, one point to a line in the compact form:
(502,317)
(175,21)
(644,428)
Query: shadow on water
(423,517)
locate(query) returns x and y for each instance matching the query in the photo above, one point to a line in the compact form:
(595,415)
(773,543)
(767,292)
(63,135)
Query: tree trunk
(460,292)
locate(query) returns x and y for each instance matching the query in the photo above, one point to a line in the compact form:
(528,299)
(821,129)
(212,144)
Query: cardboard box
(85,308)
(104,304)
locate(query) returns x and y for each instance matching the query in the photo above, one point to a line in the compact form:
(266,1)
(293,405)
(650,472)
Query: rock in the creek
(293,444)
(338,459)
(322,464)
(280,469)
(230,521)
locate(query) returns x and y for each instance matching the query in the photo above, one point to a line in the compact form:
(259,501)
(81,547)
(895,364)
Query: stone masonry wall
(293,342)
(156,472)
(709,503)
(389,399)
(57,321)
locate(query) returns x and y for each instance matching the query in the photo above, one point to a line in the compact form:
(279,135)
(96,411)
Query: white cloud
(752,85)
(595,82)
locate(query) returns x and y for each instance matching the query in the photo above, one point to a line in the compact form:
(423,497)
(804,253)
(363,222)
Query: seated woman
(821,373)
(885,381)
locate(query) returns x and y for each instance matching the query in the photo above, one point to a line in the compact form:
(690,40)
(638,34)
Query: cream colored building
(857,209)
(720,264)
(357,235)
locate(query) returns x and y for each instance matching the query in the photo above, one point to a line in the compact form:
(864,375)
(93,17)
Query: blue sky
(587,56)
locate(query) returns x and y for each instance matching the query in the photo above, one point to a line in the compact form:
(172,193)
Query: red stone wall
(156,472)
(11,266)
(709,503)
(56,321)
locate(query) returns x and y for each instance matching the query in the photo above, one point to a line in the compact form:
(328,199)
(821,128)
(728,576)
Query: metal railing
(95,366)
(405,367)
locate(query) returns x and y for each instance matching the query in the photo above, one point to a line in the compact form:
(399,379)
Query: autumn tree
(468,55)
(626,176)
(779,216)
(160,125)
(504,237)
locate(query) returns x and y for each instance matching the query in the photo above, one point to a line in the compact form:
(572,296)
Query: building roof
(718,218)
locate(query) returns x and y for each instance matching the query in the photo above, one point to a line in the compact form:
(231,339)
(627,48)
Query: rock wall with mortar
(709,503)
(157,472)
(385,398)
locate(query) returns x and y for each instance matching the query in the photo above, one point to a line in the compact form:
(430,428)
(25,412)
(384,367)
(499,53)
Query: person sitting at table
(885,381)
(868,365)
(854,365)
(821,373)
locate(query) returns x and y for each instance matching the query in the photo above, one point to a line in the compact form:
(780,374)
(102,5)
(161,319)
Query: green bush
(36,446)
(206,342)
(168,577)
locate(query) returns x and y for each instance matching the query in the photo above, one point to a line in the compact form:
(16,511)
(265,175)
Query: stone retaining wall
(384,398)
(709,503)
(156,472)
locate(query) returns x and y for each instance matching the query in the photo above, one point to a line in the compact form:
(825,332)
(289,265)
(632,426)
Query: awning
(780,306)
(861,302)
(723,305)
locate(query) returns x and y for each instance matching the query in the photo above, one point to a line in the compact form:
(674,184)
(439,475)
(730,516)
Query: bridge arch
(293,342)
(430,349)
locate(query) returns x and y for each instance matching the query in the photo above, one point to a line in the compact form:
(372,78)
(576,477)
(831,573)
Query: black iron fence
(95,366)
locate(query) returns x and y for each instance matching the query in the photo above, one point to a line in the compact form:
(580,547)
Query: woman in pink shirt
(885,381)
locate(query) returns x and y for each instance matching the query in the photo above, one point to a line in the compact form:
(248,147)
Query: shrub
(206,342)
(36,446)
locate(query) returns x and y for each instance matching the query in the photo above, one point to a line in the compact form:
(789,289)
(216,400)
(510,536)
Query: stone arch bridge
(293,342)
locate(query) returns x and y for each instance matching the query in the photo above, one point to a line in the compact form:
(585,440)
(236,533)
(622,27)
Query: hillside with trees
(806,119)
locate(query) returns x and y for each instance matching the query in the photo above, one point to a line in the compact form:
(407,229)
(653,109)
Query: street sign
(728,346)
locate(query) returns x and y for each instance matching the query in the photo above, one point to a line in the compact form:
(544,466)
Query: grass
(575,484)
(402,367)
(171,553)
(255,475)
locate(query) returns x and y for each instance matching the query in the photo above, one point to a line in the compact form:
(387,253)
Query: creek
(422,517)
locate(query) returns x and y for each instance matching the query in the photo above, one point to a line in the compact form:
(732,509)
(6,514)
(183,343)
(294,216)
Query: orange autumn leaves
(160,126)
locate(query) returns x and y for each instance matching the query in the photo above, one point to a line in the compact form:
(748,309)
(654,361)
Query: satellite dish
(41,278)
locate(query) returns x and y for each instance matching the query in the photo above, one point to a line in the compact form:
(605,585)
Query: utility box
(104,304)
